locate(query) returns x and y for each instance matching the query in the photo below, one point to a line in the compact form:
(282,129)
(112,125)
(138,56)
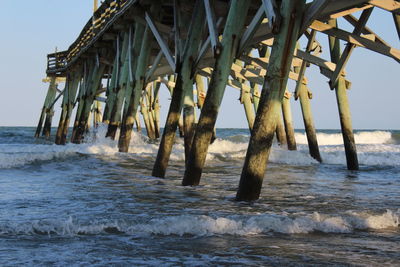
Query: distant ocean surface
(87,204)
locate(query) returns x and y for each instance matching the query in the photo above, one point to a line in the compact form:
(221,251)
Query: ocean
(79,205)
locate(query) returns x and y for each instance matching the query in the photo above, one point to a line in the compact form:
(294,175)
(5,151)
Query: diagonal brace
(163,45)
(349,48)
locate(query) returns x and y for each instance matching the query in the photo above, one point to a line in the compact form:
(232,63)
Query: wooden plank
(349,47)
(313,11)
(356,40)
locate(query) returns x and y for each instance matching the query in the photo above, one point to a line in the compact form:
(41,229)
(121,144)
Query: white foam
(19,155)
(376,150)
(324,139)
(201,225)
(369,155)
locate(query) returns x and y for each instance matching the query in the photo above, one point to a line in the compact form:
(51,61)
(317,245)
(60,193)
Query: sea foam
(374,148)
(364,137)
(202,225)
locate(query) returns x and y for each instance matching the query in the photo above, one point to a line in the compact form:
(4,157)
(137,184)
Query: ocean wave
(363,137)
(368,155)
(12,156)
(373,151)
(202,225)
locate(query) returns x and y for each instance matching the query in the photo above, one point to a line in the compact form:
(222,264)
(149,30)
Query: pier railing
(104,16)
(56,62)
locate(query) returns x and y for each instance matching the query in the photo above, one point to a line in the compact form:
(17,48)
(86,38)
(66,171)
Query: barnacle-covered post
(271,100)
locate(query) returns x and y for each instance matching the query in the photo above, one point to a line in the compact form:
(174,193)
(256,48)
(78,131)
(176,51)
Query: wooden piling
(182,95)
(51,93)
(305,96)
(343,106)
(137,122)
(110,93)
(146,118)
(72,90)
(201,92)
(156,108)
(139,84)
(396,18)
(271,100)
(288,121)
(119,89)
(64,107)
(280,132)
(225,56)
(92,87)
(87,75)
(245,100)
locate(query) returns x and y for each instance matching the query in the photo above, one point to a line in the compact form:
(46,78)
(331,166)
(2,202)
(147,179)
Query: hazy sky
(32,29)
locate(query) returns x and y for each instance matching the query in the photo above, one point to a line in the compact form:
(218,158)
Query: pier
(197,49)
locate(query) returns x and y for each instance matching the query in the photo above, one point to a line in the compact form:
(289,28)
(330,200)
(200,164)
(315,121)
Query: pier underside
(197,49)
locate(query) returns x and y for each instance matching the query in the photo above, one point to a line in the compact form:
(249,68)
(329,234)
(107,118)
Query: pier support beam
(64,107)
(45,113)
(139,83)
(182,93)
(119,89)
(396,19)
(90,94)
(224,59)
(288,121)
(280,132)
(72,89)
(110,93)
(343,106)
(304,95)
(271,100)
(144,109)
(245,100)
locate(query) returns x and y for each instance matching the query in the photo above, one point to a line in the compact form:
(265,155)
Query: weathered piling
(89,96)
(246,100)
(396,18)
(280,132)
(111,85)
(137,122)
(146,118)
(271,100)
(139,84)
(201,92)
(304,94)
(343,107)
(87,74)
(50,96)
(64,107)
(182,93)
(288,121)
(225,56)
(155,106)
(96,110)
(121,83)
(72,90)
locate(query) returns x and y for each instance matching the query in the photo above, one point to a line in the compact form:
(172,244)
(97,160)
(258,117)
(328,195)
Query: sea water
(90,205)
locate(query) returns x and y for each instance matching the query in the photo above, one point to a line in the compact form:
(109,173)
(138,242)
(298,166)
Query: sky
(32,29)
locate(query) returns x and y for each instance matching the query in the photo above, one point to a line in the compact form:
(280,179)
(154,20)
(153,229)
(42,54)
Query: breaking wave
(201,225)
(364,137)
(374,148)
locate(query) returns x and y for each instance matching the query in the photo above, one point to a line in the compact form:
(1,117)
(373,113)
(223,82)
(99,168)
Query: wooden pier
(129,48)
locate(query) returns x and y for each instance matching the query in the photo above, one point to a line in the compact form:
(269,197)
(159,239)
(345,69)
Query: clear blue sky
(32,29)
